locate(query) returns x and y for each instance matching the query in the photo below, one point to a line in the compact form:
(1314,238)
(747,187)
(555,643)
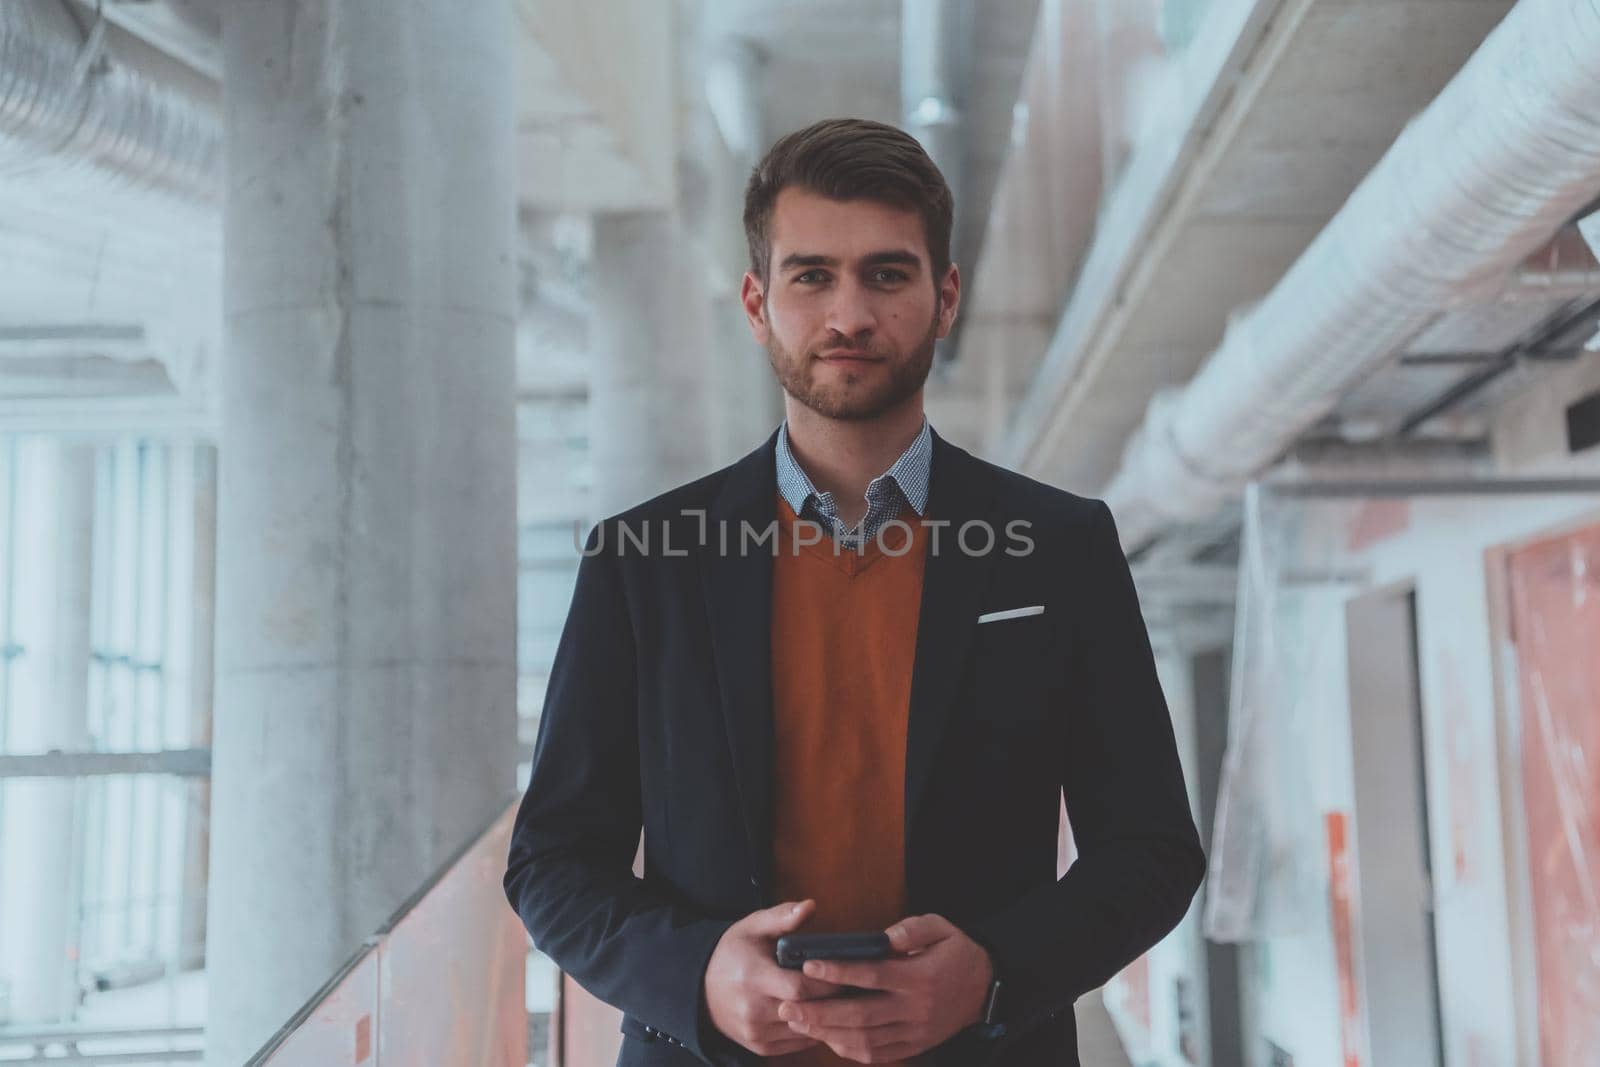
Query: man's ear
(753,295)
(949,300)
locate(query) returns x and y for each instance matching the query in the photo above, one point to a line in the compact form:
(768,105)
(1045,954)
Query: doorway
(1224,1009)
(1399,965)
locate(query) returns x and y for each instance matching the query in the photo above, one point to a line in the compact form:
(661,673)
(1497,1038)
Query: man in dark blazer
(1032,679)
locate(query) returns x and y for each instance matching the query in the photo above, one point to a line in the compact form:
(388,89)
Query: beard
(860,394)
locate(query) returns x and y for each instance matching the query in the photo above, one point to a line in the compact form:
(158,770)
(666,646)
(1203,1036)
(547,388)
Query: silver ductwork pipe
(734,81)
(60,99)
(203,17)
(1505,155)
(935,66)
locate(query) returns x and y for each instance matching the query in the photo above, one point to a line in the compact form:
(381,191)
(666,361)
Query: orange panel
(1341,892)
(444,985)
(452,970)
(339,1030)
(589,1034)
(1555,603)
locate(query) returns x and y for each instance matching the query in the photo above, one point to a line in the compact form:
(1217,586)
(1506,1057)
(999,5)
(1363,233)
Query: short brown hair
(849,159)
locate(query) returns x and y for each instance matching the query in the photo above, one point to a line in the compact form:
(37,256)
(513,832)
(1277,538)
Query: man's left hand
(932,989)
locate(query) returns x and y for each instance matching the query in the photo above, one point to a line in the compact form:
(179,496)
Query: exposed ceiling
(1320,95)
(596,132)
(842,57)
(1312,101)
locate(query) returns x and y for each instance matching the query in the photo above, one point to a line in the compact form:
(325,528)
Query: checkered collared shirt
(904,484)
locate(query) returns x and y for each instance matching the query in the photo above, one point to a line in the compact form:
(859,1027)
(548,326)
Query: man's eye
(810,276)
(888,275)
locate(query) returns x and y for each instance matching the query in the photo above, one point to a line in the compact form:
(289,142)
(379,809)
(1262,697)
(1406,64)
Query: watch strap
(991,1004)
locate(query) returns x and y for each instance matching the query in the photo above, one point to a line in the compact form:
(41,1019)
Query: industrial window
(102,872)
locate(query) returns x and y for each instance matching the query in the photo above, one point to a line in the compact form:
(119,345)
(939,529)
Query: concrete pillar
(49,710)
(365,720)
(649,397)
(200,701)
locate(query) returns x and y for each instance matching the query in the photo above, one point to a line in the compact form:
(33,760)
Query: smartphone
(794,949)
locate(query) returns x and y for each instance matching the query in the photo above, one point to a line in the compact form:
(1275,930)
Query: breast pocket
(1017,659)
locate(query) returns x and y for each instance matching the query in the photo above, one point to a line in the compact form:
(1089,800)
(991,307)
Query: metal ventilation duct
(1506,154)
(60,99)
(935,71)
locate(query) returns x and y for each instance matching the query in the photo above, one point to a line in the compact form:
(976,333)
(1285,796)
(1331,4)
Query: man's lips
(849,357)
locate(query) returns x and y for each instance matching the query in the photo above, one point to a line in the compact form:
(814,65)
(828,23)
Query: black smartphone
(794,949)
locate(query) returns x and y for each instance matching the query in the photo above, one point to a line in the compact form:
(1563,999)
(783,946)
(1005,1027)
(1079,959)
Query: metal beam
(1197,584)
(52,1035)
(1384,487)
(183,762)
(108,1059)
(1559,338)
(78,333)
(83,374)
(104,417)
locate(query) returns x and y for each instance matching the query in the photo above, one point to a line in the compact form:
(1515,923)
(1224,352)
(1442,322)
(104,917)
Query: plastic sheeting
(1295,570)
(1555,615)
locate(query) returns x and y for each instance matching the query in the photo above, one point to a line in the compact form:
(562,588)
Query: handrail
(59,1033)
(67,1038)
(116,1059)
(498,826)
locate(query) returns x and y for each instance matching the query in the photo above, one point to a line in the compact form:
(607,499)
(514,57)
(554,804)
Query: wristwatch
(991,1023)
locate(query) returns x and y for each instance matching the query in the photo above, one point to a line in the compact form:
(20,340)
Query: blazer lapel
(952,585)
(736,581)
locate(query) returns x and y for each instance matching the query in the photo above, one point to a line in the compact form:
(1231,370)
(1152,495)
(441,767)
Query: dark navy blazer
(658,715)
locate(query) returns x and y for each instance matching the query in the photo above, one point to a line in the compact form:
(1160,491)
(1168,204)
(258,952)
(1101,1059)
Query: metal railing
(64,1044)
(440,982)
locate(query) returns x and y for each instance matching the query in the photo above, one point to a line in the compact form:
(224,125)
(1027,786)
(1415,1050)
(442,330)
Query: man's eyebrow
(796,259)
(898,256)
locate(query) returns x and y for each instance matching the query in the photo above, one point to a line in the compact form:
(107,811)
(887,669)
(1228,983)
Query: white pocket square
(1011,613)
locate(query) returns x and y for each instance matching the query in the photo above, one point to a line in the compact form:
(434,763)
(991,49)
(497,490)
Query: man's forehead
(808,223)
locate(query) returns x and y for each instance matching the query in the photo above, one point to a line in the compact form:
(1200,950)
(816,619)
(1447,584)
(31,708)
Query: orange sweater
(844,634)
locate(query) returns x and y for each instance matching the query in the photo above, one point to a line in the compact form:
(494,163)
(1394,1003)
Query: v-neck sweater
(844,634)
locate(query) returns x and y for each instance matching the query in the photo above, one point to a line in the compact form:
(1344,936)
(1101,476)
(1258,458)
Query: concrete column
(49,710)
(365,719)
(650,400)
(200,700)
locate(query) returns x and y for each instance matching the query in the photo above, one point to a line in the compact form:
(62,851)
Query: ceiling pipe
(935,68)
(734,87)
(1507,153)
(200,16)
(60,98)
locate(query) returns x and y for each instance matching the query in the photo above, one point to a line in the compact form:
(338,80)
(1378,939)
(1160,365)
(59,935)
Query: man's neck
(841,456)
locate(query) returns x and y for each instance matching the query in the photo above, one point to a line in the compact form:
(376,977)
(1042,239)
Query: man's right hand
(744,984)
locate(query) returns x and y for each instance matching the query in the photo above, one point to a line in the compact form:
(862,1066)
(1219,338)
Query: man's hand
(934,989)
(744,984)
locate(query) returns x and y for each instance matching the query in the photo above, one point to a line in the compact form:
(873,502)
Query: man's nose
(850,312)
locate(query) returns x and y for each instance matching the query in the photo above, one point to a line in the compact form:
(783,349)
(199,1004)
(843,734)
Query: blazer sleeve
(1139,856)
(570,870)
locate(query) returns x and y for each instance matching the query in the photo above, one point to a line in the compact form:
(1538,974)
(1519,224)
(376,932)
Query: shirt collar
(909,472)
